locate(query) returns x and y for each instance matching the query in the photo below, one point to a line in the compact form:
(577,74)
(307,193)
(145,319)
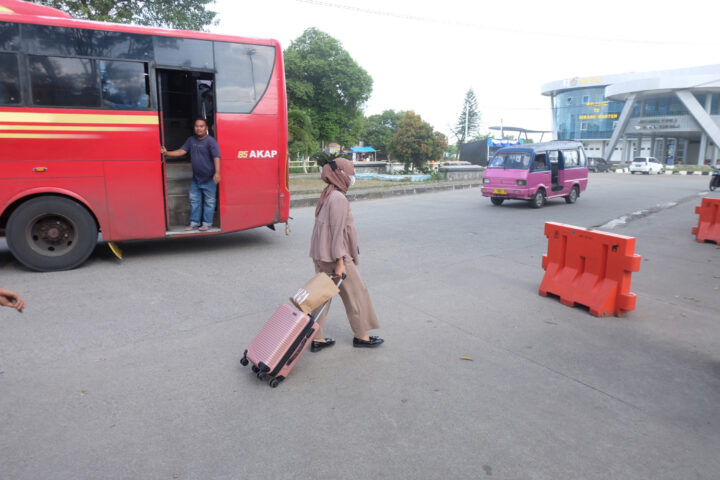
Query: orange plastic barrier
(589,268)
(708,228)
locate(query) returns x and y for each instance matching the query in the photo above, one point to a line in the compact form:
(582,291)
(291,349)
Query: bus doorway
(183,96)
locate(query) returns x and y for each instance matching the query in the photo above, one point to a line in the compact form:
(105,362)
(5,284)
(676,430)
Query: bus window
(9,36)
(58,81)
(9,79)
(48,40)
(553,156)
(582,158)
(243,75)
(540,162)
(183,52)
(124,85)
(44,40)
(123,45)
(570,158)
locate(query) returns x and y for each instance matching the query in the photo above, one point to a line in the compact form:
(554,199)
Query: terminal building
(672,115)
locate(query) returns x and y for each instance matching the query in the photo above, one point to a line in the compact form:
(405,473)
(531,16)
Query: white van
(646,165)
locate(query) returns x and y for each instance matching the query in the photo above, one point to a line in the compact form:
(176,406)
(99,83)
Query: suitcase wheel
(274,382)
(255,369)
(261,375)
(244,361)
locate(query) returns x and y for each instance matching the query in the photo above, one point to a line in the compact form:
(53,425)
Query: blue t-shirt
(202,152)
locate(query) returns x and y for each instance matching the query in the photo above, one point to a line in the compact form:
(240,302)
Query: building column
(700,114)
(715,155)
(652,147)
(686,149)
(554,118)
(704,137)
(626,151)
(640,142)
(622,123)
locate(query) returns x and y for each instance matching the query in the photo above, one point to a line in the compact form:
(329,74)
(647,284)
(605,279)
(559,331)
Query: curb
(308,200)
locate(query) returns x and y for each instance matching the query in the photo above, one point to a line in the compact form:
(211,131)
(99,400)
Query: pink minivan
(536,172)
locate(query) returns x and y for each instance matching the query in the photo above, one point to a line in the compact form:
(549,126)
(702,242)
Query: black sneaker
(371,343)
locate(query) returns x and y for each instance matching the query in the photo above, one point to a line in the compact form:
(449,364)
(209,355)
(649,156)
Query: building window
(586,99)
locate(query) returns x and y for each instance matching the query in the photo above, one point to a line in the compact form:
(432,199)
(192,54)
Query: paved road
(126,370)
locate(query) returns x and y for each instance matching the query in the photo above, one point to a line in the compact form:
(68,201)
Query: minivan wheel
(572,196)
(538,199)
(497,201)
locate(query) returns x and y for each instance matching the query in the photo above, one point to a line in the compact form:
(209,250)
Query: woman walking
(334,249)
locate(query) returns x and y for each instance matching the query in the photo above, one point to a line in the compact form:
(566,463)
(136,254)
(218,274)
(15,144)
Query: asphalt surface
(126,370)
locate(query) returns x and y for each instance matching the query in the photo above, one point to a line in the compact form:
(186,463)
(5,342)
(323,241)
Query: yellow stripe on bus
(5,10)
(73,128)
(47,135)
(32,117)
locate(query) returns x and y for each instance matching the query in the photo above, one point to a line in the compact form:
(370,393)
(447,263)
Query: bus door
(183,96)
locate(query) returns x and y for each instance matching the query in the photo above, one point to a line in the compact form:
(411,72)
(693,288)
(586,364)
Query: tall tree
(184,14)
(323,80)
(469,119)
(416,142)
(379,130)
(301,143)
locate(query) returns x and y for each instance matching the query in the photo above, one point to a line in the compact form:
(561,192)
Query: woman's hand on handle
(340,268)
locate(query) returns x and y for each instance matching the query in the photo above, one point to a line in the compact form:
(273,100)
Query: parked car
(597,164)
(646,165)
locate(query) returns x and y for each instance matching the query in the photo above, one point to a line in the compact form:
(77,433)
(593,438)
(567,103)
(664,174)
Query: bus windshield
(511,160)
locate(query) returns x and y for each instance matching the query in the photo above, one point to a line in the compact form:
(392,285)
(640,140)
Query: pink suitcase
(281,342)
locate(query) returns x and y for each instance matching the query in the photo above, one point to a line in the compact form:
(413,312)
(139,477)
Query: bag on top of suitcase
(281,342)
(315,292)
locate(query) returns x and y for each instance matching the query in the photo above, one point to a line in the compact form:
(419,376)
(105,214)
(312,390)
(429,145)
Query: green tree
(439,147)
(415,142)
(469,119)
(301,143)
(323,80)
(379,130)
(184,14)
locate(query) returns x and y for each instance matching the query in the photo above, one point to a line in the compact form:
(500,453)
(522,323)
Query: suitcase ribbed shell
(277,336)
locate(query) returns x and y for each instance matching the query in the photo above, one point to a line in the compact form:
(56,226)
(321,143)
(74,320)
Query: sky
(425,55)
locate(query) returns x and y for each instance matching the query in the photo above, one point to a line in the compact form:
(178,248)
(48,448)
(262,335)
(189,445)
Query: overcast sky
(424,56)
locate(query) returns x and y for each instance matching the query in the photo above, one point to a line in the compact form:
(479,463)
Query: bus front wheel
(51,233)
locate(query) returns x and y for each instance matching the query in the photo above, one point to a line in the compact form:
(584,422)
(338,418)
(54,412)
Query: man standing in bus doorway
(205,160)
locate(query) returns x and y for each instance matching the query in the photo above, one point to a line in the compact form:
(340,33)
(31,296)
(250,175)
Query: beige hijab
(336,179)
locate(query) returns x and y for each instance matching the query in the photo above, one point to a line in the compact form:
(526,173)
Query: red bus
(84,109)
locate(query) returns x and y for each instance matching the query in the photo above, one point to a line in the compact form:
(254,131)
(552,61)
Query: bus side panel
(87,190)
(135,199)
(250,188)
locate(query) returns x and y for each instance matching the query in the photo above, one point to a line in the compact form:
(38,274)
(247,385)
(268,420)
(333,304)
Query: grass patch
(315,184)
(689,168)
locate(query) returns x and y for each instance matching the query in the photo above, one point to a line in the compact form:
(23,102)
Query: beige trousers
(355,297)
